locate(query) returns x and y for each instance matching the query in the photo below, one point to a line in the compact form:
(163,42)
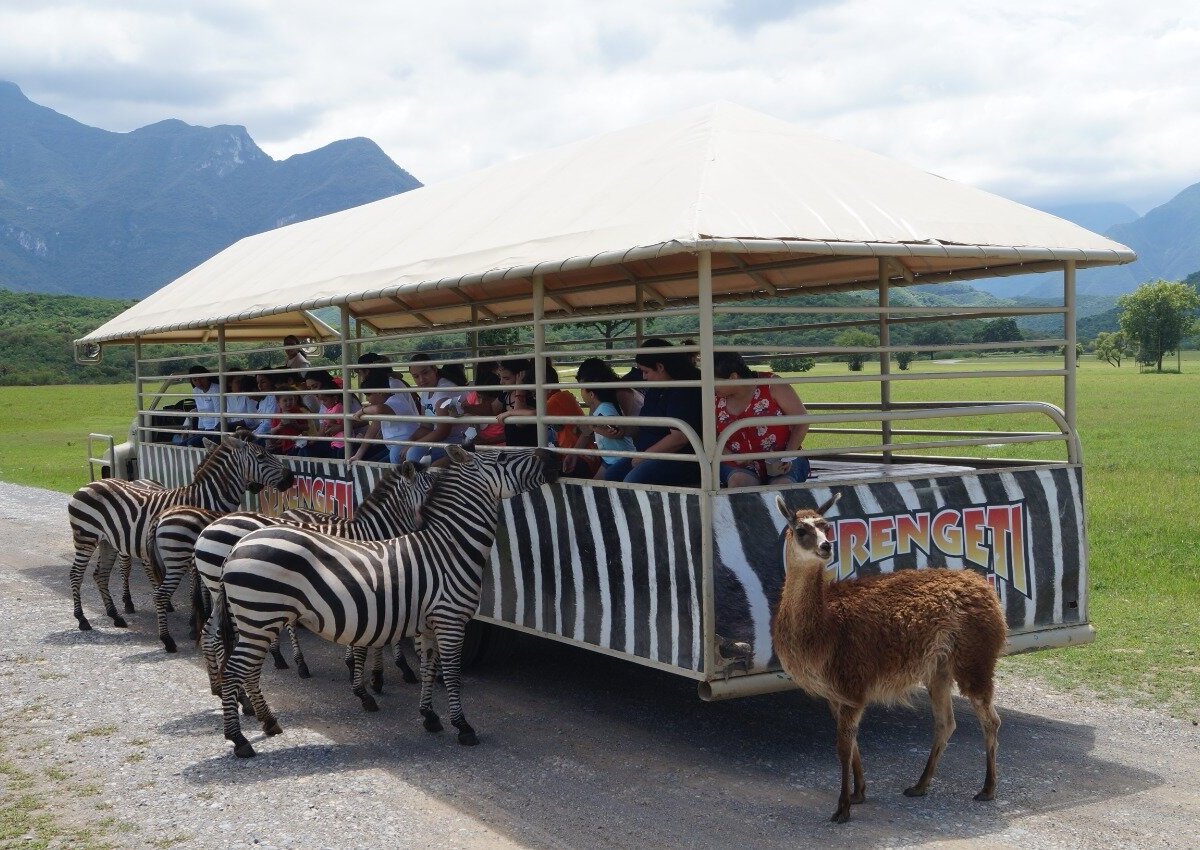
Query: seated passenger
(735,403)
(207,395)
(288,436)
(484,401)
(382,401)
(517,370)
(683,403)
(439,398)
(267,404)
(602,401)
(239,402)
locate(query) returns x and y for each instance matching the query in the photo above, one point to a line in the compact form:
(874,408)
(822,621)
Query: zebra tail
(228,633)
(156,566)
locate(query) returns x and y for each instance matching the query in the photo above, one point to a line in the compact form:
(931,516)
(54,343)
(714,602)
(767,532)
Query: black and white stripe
(117,517)
(366,594)
(390,510)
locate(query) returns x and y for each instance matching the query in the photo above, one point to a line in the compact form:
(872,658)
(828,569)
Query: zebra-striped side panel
(611,567)
(320,485)
(1023,530)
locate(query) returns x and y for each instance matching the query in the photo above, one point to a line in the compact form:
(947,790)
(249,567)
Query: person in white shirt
(240,401)
(382,401)
(440,398)
(207,395)
(268,405)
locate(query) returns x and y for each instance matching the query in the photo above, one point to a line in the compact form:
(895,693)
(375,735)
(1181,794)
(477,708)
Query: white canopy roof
(781,208)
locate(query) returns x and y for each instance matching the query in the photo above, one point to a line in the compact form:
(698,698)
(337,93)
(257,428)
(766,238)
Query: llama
(875,639)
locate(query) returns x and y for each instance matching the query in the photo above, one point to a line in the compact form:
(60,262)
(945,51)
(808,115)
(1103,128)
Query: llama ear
(832,501)
(787,512)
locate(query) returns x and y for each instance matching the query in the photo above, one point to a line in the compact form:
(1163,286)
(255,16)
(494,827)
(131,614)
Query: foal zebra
(366,594)
(117,517)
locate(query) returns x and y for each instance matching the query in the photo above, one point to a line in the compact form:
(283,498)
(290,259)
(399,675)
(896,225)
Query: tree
(611,329)
(1000,330)
(937,334)
(1112,347)
(904,358)
(855,339)
(1157,317)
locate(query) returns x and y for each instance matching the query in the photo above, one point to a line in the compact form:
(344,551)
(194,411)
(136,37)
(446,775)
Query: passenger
(381,401)
(240,401)
(268,404)
(207,395)
(517,370)
(602,401)
(684,403)
(288,436)
(485,402)
(329,398)
(296,361)
(436,400)
(560,402)
(735,403)
(372,361)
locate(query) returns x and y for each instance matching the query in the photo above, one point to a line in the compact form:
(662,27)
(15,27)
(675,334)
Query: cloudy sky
(1053,102)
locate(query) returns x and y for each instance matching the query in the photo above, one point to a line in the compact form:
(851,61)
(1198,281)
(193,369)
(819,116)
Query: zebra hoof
(280,663)
(129,609)
(377,682)
(169,644)
(368,703)
(302,670)
(119,621)
(84,625)
(466,735)
(406,672)
(244,750)
(170,609)
(431,722)
(272,728)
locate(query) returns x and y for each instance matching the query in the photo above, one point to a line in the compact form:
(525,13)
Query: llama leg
(860,780)
(848,718)
(406,672)
(85,547)
(104,567)
(450,637)
(424,646)
(990,721)
(297,655)
(943,727)
(360,690)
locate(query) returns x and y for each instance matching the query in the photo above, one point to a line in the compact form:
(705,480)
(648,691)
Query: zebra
(186,533)
(426,584)
(116,517)
(124,563)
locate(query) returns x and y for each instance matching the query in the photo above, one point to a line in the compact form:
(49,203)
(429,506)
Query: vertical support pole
(639,304)
(473,336)
(347,425)
(539,354)
(138,396)
(222,385)
(708,483)
(885,355)
(1069,349)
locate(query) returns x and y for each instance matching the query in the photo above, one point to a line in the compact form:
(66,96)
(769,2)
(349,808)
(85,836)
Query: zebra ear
(209,445)
(457,454)
(408,470)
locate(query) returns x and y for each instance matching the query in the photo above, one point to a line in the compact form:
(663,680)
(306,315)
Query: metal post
(346,423)
(539,354)
(709,439)
(1069,350)
(885,356)
(137,391)
(222,385)
(639,304)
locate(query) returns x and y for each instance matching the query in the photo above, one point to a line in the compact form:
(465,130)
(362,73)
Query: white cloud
(1044,102)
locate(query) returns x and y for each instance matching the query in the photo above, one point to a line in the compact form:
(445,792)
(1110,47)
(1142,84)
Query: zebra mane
(381,491)
(210,459)
(441,483)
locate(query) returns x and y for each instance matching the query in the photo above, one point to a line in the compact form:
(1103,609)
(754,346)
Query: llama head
(807,534)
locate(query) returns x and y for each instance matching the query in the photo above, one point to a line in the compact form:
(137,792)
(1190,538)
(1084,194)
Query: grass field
(1141,468)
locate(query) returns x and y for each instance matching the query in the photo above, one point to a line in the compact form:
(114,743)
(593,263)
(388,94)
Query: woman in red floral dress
(760,401)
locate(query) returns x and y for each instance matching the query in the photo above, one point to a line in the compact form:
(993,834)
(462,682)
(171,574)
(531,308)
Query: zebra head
(396,500)
(257,464)
(509,471)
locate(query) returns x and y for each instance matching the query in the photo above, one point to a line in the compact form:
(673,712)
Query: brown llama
(875,639)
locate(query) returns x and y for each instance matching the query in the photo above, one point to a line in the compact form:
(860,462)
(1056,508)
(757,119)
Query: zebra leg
(104,567)
(360,691)
(350,661)
(162,602)
(85,547)
(125,567)
(406,672)
(277,654)
(450,637)
(297,655)
(377,670)
(213,647)
(241,673)
(424,647)
(197,592)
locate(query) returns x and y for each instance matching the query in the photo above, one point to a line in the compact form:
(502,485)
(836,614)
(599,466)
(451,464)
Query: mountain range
(88,211)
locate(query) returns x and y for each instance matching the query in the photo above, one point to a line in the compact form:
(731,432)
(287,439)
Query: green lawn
(1142,463)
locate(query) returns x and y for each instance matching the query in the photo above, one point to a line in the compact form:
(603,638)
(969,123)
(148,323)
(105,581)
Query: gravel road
(115,740)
